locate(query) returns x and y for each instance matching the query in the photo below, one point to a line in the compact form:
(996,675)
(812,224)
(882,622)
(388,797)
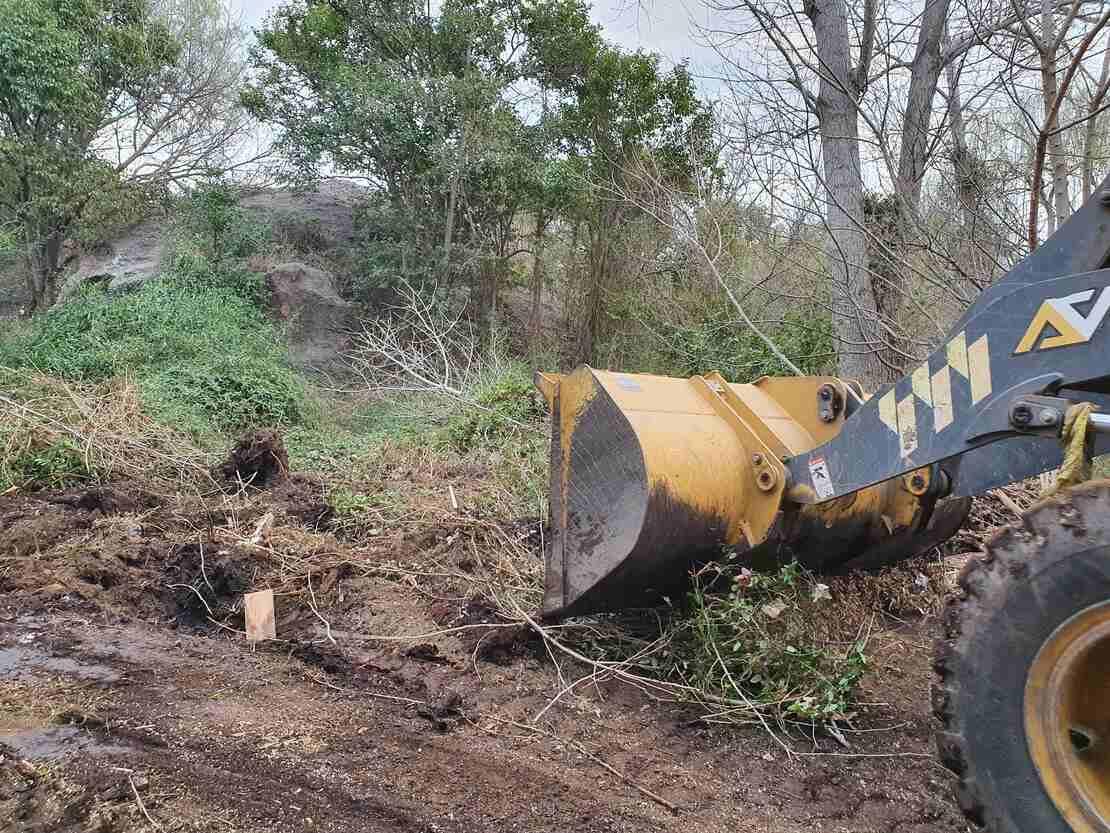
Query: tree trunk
(1090,137)
(538,270)
(856,324)
(962,160)
(977,233)
(591,315)
(452,200)
(44,251)
(1057,160)
(924,75)
(489,269)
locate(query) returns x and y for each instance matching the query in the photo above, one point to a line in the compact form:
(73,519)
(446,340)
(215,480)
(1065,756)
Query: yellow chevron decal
(920,380)
(979,367)
(1061,315)
(957,354)
(888,410)
(907,426)
(942,399)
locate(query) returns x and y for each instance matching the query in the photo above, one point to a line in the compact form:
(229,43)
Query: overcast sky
(663,26)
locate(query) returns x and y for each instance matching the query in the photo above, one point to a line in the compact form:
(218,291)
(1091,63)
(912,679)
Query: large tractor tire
(1024,672)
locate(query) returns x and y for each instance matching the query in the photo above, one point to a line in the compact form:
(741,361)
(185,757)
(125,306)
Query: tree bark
(1057,160)
(924,74)
(452,200)
(591,315)
(538,277)
(856,323)
(977,233)
(44,251)
(1090,136)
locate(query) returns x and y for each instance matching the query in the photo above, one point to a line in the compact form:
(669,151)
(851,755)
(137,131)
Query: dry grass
(105,424)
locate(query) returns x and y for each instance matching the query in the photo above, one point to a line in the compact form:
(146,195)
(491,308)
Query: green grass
(497,433)
(205,358)
(36,464)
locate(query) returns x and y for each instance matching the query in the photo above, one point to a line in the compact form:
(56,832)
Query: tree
(433,109)
(409,101)
(624,109)
(98,97)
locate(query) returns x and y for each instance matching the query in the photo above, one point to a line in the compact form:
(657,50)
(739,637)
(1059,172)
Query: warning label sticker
(819,474)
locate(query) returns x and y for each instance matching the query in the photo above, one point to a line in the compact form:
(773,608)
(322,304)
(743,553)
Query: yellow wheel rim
(1067,718)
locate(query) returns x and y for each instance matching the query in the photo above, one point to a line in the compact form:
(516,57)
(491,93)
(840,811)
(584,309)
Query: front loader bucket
(651,475)
(646,480)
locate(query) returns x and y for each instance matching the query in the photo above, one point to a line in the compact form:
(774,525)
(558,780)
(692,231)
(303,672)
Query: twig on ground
(139,801)
(359,693)
(316,611)
(198,594)
(203,569)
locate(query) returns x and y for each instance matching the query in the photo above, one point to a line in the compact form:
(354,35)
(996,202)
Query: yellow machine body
(651,475)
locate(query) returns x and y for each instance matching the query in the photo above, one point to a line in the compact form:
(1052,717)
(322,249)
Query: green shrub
(214,214)
(192,265)
(757,637)
(205,358)
(37,465)
(346,503)
(722,343)
(500,406)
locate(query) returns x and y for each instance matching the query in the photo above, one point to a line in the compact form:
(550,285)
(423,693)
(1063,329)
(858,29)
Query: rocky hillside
(307,261)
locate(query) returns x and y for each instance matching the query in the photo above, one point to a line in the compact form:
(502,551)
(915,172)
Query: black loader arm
(986,407)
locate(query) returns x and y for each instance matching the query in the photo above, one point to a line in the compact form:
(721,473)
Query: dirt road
(118,714)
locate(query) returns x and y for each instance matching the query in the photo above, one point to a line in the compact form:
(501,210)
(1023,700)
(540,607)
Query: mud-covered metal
(645,479)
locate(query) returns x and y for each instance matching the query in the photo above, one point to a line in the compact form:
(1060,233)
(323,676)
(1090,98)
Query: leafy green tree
(105,104)
(64,64)
(426,107)
(619,109)
(405,99)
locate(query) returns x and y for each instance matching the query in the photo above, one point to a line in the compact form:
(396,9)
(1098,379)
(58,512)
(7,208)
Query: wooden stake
(258,611)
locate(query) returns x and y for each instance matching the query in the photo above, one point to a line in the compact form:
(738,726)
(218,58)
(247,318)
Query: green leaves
(466,117)
(205,358)
(66,66)
(752,636)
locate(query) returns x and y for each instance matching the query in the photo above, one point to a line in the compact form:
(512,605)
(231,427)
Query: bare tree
(1050,43)
(1090,135)
(869,76)
(189,123)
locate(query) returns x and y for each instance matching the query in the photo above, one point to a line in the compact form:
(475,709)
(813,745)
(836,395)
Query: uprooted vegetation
(402,533)
(111,509)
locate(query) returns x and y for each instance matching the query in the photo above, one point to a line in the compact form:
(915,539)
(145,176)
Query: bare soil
(129,701)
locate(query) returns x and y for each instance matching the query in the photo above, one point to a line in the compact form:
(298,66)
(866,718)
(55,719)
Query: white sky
(665,27)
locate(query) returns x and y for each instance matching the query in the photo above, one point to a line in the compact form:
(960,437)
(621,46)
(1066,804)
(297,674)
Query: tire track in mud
(239,740)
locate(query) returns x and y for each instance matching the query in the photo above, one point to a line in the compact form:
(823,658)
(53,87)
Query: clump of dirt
(108,500)
(111,549)
(259,461)
(28,525)
(500,645)
(36,798)
(302,499)
(208,589)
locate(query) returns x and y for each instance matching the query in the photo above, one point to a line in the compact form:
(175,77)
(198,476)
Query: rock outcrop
(316,317)
(122,264)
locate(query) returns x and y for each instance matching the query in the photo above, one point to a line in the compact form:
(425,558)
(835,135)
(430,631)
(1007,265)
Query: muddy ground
(125,707)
